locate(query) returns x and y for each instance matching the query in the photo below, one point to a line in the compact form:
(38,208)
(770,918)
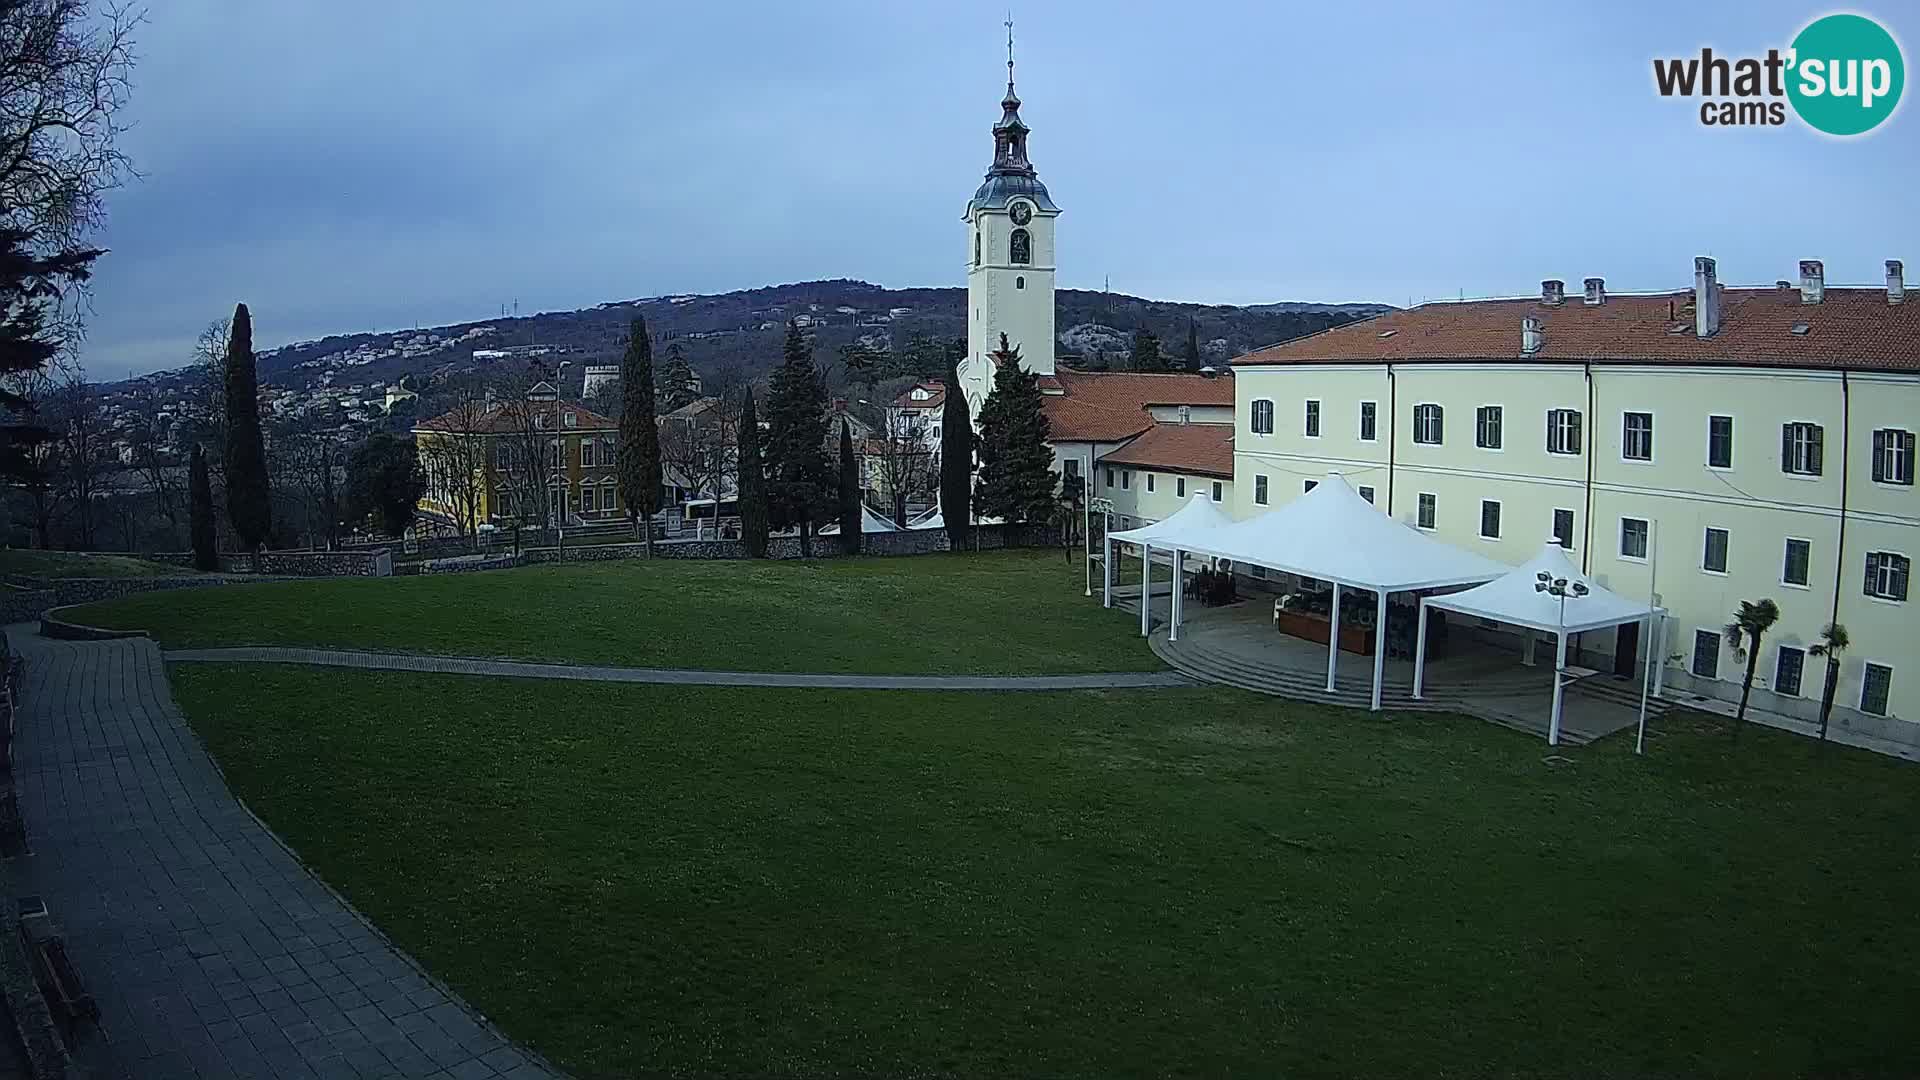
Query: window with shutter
(1876,685)
(1893,456)
(1887,575)
(1801,449)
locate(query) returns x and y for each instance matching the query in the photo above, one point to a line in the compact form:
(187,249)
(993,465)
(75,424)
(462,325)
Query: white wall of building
(1758,505)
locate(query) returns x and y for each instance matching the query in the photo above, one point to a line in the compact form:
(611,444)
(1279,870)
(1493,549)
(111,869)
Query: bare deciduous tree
(699,450)
(65,77)
(455,458)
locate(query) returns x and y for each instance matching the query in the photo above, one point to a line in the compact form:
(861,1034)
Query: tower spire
(1010,134)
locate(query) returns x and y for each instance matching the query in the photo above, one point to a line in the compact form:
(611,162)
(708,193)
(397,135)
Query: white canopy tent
(1549,594)
(937,519)
(1200,516)
(1330,533)
(870,522)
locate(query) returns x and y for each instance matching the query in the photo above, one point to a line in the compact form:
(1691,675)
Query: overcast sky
(350,165)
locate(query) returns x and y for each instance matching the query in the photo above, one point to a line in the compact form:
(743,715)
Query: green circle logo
(1846,74)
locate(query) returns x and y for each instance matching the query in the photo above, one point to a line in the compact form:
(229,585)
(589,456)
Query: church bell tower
(1009,224)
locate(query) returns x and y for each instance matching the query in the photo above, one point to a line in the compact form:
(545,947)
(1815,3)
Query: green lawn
(1098,884)
(49,564)
(999,612)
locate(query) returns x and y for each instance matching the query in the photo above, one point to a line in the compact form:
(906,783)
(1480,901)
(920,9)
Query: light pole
(1086,515)
(566,489)
(1545,582)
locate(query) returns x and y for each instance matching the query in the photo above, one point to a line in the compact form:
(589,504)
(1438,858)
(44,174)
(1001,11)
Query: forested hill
(739,333)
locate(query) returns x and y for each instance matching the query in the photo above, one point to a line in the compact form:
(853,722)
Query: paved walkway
(211,951)
(674,676)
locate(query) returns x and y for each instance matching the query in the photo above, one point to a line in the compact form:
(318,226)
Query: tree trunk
(1746,685)
(806,539)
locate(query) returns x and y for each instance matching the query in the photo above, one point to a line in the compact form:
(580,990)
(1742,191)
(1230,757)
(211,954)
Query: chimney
(1706,298)
(1186,415)
(1596,291)
(1533,334)
(1813,281)
(1553,292)
(1896,282)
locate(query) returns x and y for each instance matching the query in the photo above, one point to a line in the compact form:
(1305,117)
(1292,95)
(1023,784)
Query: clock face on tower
(1022,213)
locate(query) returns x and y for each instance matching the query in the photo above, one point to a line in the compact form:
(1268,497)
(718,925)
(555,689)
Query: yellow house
(534,460)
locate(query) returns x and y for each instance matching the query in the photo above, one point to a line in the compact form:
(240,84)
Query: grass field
(1192,882)
(1017,612)
(36,563)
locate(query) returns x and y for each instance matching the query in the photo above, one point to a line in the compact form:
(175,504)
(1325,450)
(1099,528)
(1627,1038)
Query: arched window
(1022,247)
(976,245)
(1262,417)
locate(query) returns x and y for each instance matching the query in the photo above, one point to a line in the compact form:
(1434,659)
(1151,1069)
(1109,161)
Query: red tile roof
(1850,328)
(1108,406)
(1204,449)
(936,396)
(499,419)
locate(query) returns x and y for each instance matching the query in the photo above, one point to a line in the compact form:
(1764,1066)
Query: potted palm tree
(1749,622)
(1833,641)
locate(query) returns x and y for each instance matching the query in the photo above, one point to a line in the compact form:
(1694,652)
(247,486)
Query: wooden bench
(60,984)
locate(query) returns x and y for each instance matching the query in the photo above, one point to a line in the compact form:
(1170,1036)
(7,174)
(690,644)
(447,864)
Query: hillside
(740,332)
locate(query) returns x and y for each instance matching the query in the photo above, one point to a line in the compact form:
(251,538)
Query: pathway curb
(456,665)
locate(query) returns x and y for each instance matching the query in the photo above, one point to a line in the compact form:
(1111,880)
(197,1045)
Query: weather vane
(1009,46)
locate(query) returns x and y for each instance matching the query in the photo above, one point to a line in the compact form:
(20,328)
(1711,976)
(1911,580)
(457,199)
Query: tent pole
(1106,571)
(1420,651)
(1379,646)
(1333,637)
(1173,622)
(1146,587)
(1559,686)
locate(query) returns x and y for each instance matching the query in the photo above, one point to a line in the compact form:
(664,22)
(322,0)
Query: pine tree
(1146,352)
(1016,464)
(200,495)
(30,285)
(752,495)
(800,480)
(850,501)
(249,500)
(676,381)
(1193,346)
(956,462)
(639,461)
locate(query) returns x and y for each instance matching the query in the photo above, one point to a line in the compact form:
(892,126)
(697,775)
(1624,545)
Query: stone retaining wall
(27,604)
(377,562)
(904,542)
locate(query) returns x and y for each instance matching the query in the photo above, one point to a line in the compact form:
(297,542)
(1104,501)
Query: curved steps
(1357,693)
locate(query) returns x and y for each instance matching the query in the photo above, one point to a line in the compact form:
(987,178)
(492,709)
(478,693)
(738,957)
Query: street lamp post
(566,489)
(1545,582)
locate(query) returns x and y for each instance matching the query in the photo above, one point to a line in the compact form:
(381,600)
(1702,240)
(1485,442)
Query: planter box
(1353,639)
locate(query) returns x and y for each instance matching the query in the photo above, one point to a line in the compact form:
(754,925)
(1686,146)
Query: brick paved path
(211,950)
(456,665)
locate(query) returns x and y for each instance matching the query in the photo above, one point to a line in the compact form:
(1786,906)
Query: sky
(349,166)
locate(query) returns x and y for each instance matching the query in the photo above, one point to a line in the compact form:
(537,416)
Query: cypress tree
(956,462)
(639,463)
(752,494)
(1146,352)
(850,516)
(800,480)
(249,502)
(200,496)
(676,380)
(1193,345)
(1016,464)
